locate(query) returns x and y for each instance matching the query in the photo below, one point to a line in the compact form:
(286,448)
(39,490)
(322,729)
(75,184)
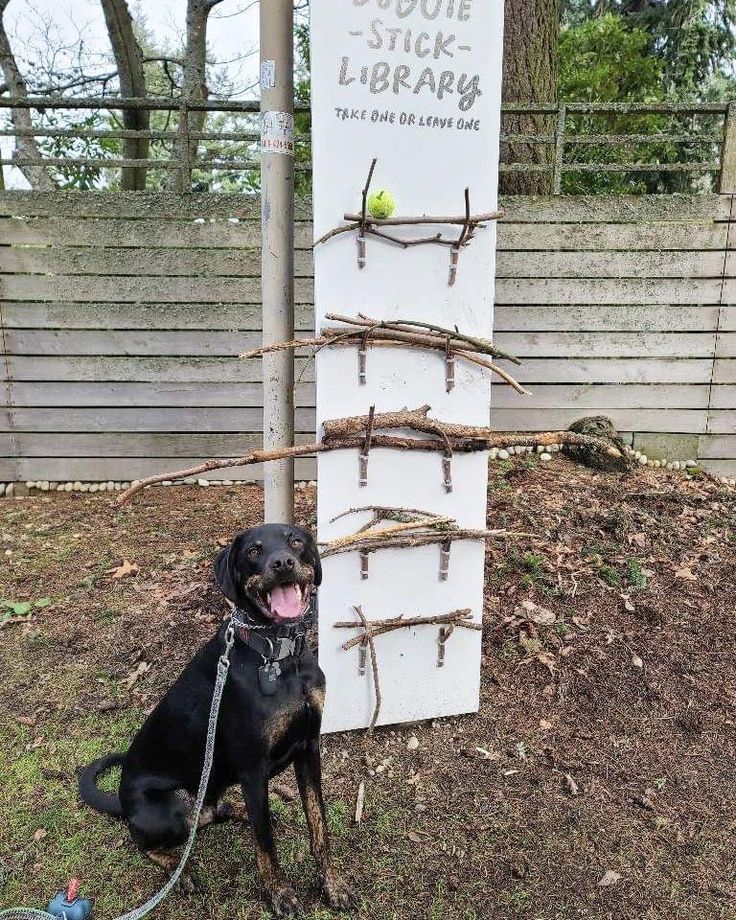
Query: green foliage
(603,59)
(695,40)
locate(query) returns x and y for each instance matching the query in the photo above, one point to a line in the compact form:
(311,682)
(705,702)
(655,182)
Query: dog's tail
(106,802)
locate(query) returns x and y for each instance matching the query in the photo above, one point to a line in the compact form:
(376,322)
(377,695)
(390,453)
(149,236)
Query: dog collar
(273,643)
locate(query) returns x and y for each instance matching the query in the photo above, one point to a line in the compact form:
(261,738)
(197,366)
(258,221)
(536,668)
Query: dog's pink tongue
(286,602)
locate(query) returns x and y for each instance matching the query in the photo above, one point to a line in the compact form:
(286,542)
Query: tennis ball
(381,204)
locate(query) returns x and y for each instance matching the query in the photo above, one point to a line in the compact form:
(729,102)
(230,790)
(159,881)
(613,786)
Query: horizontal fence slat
(723,396)
(685,265)
(597,209)
(192,369)
(616,237)
(141,233)
(608,344)
(613,291)
(153,419)
(724,370)
(6,446)
(7,470)
(135,342)
(142,444)
(137,205)
(722,421)
(64,469)
(233,316)
(138,290)
(144,260)
(587,398)
(615,370)
(674,420)
(717,446)
(145,395)
(617,317)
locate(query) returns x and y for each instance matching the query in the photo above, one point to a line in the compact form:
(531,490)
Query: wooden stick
(428,219)
(411,540)
(375,628)
(374,666)
(418,420)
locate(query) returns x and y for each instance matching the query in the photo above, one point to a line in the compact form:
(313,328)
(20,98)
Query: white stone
(690,464)
(642,458)
(85,487)
(9,490)
(637,454)
(2,488)
(102,487)
(227,482)
(233,220)
(110,485)
(675,464)
(493,453)
(93,487)
(199,220)
(44,486)
(68,486)
(545,457)
(126,485)
(503,455)
(190,482)
(60,487)
(30,484)
(203,482)
(413,743)
(656,464)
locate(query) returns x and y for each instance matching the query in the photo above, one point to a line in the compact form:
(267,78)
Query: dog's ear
(312,555)
(225,568)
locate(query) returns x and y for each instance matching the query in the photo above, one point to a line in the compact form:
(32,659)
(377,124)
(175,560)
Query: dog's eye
(297,543)
(254,551)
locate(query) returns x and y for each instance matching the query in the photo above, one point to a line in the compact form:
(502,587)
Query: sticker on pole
(277,133)
(268,74)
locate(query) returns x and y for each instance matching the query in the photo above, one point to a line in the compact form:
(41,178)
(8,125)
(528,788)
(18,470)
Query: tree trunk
(194,89)
(26,147)
(129,61)
(529,76)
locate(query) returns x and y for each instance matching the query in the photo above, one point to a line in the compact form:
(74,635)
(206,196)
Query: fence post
(727,183)
(559,151)
(277,269)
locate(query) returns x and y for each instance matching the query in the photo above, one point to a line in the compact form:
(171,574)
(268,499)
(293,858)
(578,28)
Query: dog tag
(268,678)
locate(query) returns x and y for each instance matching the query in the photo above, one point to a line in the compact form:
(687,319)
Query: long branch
(418,420)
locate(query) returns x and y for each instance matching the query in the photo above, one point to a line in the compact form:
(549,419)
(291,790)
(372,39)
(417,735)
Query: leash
(223,666)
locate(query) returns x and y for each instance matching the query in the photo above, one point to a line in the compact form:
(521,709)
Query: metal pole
(277,200)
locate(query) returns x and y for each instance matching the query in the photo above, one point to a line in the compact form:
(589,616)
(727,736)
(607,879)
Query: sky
(232,33)
(232,38)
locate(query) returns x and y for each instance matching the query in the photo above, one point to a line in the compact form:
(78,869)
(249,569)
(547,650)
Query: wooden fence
(122,315)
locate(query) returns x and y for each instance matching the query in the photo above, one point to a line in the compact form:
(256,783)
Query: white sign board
(415,84)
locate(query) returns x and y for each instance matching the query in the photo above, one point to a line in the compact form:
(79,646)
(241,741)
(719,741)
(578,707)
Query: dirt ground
(598,779)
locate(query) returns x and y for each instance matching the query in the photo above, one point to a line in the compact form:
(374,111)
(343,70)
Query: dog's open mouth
(284,603)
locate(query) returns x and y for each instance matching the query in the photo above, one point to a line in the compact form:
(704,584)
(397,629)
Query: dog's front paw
(284,902)
(338,894)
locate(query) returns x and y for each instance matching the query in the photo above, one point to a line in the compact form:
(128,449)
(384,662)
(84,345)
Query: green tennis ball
(381,204)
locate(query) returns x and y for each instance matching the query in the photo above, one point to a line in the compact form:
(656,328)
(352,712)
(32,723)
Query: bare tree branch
(26,147)
(129,60)
(194,87)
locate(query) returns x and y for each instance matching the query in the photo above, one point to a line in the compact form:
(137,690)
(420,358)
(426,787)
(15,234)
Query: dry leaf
(572,786)
(627,603)
(609,878)
(545,725)
(530,611)
(487,755)
(415,838)
(140,669)
(40,834)
(685,573)
(125,568)
(636,661)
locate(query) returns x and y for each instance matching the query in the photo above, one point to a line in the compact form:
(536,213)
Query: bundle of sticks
(364,331)
(408,528)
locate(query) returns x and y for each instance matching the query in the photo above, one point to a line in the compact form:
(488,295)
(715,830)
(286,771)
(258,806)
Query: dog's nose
(282,562)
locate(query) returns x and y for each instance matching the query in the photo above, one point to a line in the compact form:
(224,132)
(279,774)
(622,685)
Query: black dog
(270,718)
